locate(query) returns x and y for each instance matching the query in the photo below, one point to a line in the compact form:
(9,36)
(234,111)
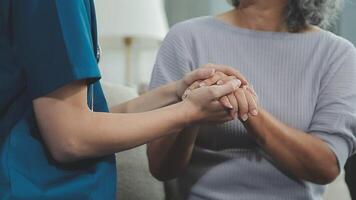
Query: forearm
(157,98)
(169,156)
(71,132)
(82,134)
(299,153)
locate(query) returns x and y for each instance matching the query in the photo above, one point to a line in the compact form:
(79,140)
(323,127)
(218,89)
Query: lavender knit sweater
(307,81)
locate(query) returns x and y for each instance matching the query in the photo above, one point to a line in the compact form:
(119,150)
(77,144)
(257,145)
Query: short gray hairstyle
(300,13)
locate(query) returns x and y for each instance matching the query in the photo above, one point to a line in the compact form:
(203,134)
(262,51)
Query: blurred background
(130,33)
(147,21)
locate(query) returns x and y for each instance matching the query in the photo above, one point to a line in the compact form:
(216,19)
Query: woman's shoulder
(339,53)
(195,22)
(336,44)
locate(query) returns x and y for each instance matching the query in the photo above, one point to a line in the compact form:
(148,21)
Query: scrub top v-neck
(44,45)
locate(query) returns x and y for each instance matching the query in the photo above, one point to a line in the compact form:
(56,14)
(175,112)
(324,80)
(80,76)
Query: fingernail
(220,82)
(202,84)
(244,117)
(229,105)
(212,72)
(254,112)
(236,83)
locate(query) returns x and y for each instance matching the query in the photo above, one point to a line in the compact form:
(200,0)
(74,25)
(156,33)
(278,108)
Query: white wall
(112,63)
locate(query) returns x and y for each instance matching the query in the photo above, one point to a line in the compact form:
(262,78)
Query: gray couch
(134,179)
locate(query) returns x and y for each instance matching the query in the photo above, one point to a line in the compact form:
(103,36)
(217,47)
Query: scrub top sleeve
(53,43)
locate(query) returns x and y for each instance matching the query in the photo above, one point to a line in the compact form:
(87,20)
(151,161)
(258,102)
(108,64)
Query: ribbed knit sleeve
(334,119)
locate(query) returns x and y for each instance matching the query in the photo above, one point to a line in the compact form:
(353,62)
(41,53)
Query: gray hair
(300,13)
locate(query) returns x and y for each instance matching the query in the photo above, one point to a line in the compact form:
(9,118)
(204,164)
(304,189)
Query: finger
(186,93)
(252,90)
(243,104)
(228,71)
(225,102)
(217,107)
(223,115)
(199,74)
(226,79)
(194,86)
(233,102)
(252,106)
(218,91)
(212,80)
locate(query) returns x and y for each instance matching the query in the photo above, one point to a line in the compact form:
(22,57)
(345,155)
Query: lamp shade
(144,19)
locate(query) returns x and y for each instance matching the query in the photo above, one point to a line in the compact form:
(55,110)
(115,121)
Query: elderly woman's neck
(262,15)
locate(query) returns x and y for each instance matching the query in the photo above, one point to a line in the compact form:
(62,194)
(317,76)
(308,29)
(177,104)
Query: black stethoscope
(91,87)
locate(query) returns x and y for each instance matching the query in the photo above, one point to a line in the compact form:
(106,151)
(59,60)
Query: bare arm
(170,155)
(146,102)
(71,132)
(300,153)
(173,92)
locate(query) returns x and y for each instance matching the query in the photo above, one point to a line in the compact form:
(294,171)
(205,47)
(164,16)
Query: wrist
(258,126)
(170,92)
(187,113)
(179,89)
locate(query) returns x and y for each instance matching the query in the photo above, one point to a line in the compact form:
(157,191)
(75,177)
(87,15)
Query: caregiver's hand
(206,72)
(243,102)
(202,106)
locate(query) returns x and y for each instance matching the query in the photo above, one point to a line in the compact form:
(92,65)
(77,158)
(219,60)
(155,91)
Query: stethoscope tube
(91,87)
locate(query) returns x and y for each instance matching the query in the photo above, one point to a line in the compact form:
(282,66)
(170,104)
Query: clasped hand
(241,102)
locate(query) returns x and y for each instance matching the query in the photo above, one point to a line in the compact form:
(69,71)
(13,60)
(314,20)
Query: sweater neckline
(268,34)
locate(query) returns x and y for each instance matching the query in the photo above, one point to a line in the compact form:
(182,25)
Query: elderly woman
(305,78)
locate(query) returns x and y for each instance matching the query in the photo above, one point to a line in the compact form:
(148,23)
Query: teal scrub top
(44,45)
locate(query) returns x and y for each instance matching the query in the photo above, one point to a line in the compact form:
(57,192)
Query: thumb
(199,74)
(219,91)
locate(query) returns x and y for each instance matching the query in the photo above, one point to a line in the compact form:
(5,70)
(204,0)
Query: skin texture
(71,132)
(298,153)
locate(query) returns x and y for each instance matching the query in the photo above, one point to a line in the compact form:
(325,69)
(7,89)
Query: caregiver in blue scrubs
(56,139)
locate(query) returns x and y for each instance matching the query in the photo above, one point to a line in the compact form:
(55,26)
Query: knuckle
(200,72)
(252,106)
(212,92)
(238,92)
(231,78)
(243,108)
(209,65)
(218,73)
